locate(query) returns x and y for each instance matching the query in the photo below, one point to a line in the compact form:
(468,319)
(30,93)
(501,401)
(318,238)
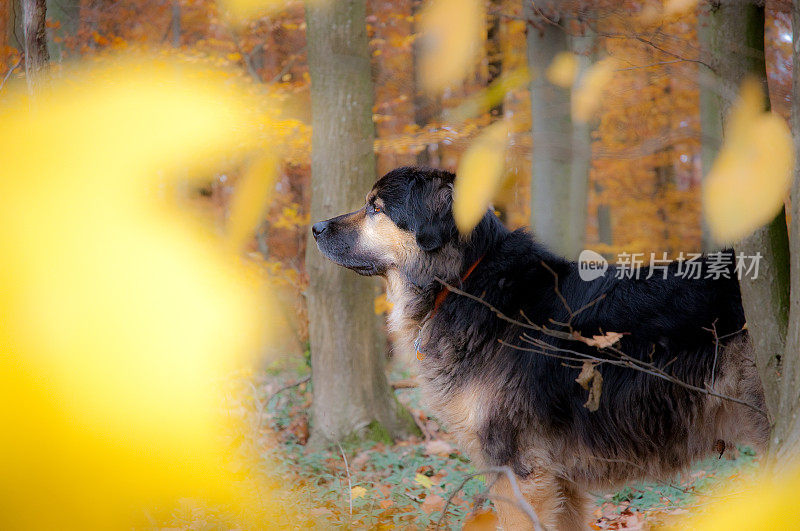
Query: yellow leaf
(675,7)
(244,9)
(587,96)
(423,480)
(358,492)
(113,352)
(382,305)
(250,200)
(479,173)
(751,176)
(451,32)
(770,503)
(562,70)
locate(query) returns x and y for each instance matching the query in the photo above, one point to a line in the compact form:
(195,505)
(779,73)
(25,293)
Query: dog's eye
(376,209)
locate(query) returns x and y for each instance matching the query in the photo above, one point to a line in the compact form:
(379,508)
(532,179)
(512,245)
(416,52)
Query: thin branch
(10,71)
(349,482)
(624,359)
(289,386)
(519,499)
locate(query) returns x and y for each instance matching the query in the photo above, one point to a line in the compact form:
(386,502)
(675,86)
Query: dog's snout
(318,228)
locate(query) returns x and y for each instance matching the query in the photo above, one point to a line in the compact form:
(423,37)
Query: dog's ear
(431,205)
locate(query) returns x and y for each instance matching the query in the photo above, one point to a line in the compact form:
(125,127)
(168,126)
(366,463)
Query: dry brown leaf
(432,503)
(485,520)
(438,447)
(602,341)
(591,379)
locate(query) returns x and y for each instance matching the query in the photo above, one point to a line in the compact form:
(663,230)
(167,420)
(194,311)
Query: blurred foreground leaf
(119,314)
(750,178)
(451,33)
(588,94)
(478,178)
(562,70)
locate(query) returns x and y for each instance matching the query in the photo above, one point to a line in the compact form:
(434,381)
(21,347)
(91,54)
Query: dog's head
(406,221)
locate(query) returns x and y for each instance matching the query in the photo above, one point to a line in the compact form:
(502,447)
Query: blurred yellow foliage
(119,314)
(587,96)
(382,304)
(750,178)
(479,174)
(562,70)
(770,504)
(451,32)
(250,201)
(244,9)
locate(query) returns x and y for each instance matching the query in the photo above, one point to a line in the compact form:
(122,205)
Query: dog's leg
(574,514)
(541,491)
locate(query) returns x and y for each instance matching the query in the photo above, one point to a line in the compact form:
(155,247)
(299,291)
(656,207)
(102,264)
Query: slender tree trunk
(551,132)
(710,112)
(583,48)
(426,107)
(175,23)
(34,13)
(351,392)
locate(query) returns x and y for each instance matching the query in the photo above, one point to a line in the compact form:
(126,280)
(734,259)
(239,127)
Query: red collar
(442,295)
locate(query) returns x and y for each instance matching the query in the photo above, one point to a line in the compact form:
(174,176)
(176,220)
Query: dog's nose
(318,228)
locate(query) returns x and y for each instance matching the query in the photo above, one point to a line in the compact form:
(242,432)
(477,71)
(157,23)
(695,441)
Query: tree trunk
(351,392)
(427,107)
(67,13)
(551,132)
(710,112)
(34,13)
(737,50)
(583,48)
(787,427)
(175,24)
(738,47)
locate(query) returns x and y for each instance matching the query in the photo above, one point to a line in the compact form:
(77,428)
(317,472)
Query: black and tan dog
(512,400)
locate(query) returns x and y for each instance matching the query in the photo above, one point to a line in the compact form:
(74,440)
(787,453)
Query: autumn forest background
(613,115)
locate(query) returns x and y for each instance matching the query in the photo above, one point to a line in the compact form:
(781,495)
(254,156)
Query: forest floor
(407,483)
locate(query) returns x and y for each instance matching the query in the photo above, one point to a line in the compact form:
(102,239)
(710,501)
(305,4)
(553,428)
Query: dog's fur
(523,409)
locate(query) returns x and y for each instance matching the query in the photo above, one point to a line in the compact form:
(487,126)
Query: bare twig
(624,360)
(10,71)
(406,383)
(519,500)
(285,387)
(349,481)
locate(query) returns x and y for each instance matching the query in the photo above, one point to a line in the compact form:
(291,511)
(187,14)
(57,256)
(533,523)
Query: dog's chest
(403,329)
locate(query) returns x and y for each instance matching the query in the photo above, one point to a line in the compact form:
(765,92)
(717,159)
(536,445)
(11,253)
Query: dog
(503,331)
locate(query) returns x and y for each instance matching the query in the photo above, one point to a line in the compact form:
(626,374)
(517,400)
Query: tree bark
(427,107)
(710,112)
(739,49)
(787,428)
(34,13)
(580,165)
(552,133)
(351,392)
(737,52)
